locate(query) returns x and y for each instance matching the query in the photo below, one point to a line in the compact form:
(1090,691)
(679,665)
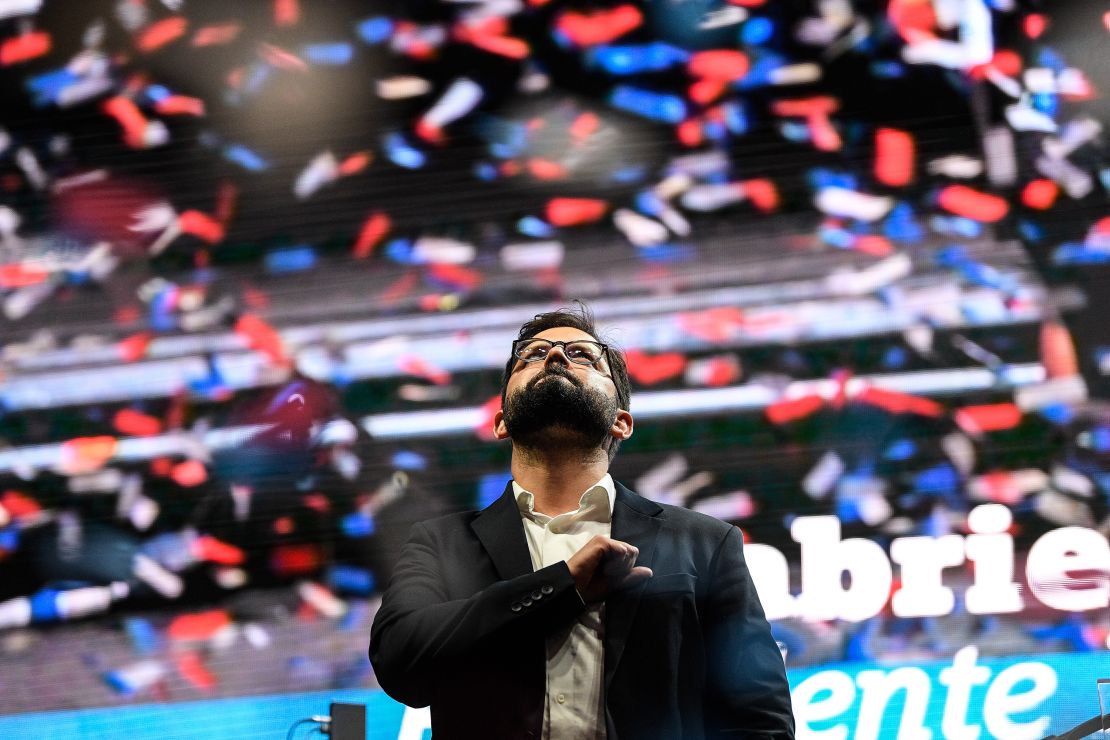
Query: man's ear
(622,425)
(499,429)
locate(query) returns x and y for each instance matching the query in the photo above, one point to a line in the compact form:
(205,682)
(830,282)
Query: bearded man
(572,608)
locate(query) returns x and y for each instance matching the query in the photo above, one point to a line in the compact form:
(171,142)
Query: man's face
(556,402)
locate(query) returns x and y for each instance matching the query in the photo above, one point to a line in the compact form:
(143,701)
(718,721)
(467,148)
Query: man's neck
(557,479)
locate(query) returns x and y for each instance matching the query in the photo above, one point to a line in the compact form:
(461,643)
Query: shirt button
(547,589)
(515,607)
(561,698)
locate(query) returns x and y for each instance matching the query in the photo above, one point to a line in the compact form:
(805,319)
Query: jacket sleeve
(747,692)
(418,633)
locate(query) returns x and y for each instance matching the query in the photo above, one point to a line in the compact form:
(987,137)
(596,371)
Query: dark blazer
(688,653)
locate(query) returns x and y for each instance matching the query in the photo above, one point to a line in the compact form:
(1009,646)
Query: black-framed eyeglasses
(578,351)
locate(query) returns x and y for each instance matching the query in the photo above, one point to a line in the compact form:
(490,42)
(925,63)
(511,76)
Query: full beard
(551,414)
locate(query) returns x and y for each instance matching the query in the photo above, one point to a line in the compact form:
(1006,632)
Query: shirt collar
(525,501)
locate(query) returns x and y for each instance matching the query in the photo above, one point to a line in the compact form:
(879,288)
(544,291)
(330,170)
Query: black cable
(1083,729)
(306,720)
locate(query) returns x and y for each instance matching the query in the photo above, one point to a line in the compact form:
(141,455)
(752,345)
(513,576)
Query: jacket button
(526,601)
(546,589)
(536,595)
(516,607)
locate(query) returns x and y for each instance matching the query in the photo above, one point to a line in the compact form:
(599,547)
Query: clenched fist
(605,565)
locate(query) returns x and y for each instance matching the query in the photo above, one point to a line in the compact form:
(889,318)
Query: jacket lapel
(635,521)
(499,529)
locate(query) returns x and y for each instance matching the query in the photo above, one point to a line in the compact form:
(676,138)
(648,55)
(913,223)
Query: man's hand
(605,565)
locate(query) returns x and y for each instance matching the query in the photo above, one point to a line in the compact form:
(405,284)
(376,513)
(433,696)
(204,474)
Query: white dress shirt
(574,706)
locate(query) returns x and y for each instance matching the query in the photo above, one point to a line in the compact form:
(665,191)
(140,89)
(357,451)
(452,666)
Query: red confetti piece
(24,47)
(763,194)
(226,197)
(214,35)
(545,169)
(974,204)
(160,33)
(1007,62)
(129,117)
(1040,194)
(292,560)
(281,58)
(198,627)
(781,412)
(94,451)
(189,474)
(874,245)
(899,403)
(599,26)
(914,20)
(506,46)
(484,428)
(714,324)
(287,12)
(262,337)
(988,418)
(1001,487)
(355,163)
(894,157)
(704,92)
(19,505)
(373,230)
(429,133)
(284,525)
(317,502)
(456,276)
(652,369)
(584,126)
(211,550)
(180,105)
(747,3)
(719,64)
(690,133)
(574,211)
(1034,25)
(1057,351)
(136,423)
(720,371)
(202,226)
(421,368)
(193,670)
(18,275)
(399,288)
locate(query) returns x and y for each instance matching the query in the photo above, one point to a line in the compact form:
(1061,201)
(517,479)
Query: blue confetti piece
(409,460)
(648,203)
(887,70)
(634,59)
(535,227)
(1030,230)
(901,225)
(667,253)
(400,250)
(654,106)
(956,226)
(291,259)
(157,92)
(759,75)
(331,54)
(1049,57)
(736,117)
(1046,103)
(757,31)
(939,479)
(47,86)
(835,237)
(375,30)
(901,449)
(245,158)
(629,174)
(350,579)
(1074,253)
(822,177)
(144,637)
(403,154)
(1058,413)
(9,538)
(357,525)
(491,486)
(952,256)
(485,171)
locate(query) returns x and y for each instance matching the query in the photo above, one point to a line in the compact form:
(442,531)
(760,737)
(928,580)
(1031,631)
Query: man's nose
(556,352)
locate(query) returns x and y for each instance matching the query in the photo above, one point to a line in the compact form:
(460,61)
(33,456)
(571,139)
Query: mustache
(559,370)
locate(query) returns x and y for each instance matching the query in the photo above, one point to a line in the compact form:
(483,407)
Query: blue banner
(965,698)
